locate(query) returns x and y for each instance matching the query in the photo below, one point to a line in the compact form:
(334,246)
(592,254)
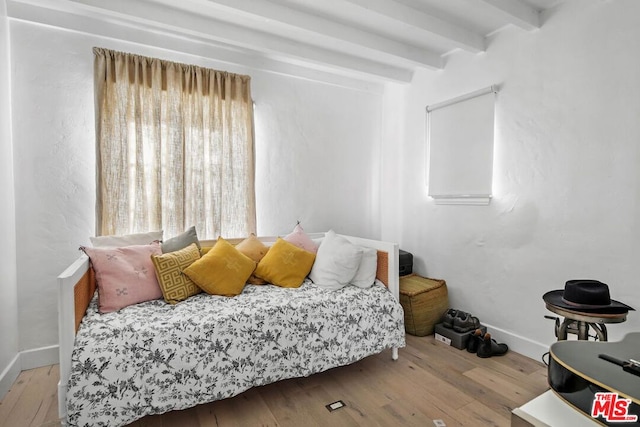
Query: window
(174,147)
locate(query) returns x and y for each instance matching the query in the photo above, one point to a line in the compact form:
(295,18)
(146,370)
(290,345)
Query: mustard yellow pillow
(285,265)
(256,250)
(222,271)
(174,284)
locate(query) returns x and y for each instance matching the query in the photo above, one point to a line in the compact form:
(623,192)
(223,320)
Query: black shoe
(448,317)
(489,347)
(474,341)
(465,323)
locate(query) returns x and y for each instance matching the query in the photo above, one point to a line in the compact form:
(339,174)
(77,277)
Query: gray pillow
(181,241)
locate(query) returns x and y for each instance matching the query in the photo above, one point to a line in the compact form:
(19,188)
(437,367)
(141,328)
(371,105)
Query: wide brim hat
(585,295)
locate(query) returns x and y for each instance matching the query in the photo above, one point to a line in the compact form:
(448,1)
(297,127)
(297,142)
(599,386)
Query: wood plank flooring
(429,381)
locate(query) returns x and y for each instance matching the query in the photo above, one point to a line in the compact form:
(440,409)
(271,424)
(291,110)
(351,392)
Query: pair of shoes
(465,322)
(489,347)
(484,346)
(460,321)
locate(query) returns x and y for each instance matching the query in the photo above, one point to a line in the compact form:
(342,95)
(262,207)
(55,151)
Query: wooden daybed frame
(77,285)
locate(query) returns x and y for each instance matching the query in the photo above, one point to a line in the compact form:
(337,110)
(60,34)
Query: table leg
(561,332)
(583,330)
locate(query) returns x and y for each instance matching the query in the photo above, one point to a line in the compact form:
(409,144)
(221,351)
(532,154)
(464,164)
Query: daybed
(154,357)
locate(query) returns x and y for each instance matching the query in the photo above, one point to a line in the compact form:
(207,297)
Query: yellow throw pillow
(285,265)
(222,271)
(174,284)
(256,250)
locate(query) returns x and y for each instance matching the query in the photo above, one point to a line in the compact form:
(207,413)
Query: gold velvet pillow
(256,250)
(285,265)
(174,284)
(222,271)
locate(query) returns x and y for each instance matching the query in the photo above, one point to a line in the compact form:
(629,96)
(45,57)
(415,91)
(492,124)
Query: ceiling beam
(328,29)
(153,19)
(517,12)
(457,36)
(388,52)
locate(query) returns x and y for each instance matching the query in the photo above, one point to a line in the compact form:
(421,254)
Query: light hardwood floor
(429,381)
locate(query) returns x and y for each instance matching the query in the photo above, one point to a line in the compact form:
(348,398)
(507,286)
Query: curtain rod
(480,92)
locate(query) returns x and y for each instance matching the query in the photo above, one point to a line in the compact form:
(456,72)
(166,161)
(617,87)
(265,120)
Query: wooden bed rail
(77,285)
(76,280)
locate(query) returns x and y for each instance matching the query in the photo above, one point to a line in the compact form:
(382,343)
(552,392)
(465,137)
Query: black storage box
(405,263)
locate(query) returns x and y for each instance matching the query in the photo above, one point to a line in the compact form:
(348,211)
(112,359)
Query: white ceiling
(381,40)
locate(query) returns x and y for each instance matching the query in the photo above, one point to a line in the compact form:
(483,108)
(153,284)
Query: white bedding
(154,357)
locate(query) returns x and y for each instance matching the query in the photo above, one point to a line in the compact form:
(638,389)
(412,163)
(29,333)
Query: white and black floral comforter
(154,357)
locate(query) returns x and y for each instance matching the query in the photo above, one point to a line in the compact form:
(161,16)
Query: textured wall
(566,181)
(317,158)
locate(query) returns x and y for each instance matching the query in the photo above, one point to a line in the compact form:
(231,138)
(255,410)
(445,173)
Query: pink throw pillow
(301,239)
(125,275)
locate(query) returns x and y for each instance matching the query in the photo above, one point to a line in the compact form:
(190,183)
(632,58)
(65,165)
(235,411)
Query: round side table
(578,322)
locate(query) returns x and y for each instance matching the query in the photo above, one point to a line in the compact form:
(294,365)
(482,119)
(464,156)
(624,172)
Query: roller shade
(460,148)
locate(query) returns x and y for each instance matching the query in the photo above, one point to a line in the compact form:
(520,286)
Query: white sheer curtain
(174,147)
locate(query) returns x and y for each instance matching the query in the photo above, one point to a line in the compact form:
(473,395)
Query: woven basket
(424,302)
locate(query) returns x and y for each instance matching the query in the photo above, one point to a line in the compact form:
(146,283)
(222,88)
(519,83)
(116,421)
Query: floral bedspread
(154,357)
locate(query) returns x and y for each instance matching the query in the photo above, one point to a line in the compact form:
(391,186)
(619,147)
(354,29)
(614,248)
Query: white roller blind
(460,148)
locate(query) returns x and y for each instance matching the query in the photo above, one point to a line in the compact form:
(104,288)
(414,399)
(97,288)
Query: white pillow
(336,262)
(126,240)
(366,274)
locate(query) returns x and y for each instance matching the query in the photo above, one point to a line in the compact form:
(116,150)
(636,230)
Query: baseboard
(519,344)
(9,375)
(38,357)
(28,359)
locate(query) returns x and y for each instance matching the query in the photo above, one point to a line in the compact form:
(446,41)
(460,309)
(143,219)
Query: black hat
(585,295)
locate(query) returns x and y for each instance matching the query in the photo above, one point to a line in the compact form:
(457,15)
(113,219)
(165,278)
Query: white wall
(317,152)
(566,178)
(8,289)
(317,157)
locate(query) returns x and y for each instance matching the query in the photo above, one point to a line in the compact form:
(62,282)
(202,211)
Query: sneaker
(465,323)
(448,317)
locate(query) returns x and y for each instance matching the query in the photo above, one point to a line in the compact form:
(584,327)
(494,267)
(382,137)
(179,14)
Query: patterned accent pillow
(301,239)
(222,271)
(125,276)
(285,265)
(256,250)
(175,285)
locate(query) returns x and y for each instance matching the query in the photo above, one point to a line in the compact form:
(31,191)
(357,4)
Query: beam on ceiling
(457,36)
(328,29)
(518,13)
(154,20)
